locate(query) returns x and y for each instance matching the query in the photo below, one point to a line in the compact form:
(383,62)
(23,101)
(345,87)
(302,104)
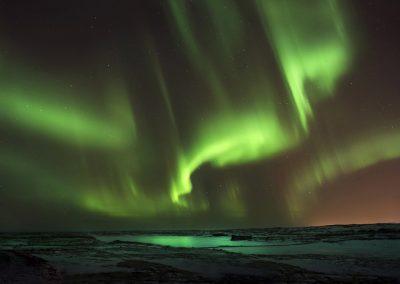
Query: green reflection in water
(183,241)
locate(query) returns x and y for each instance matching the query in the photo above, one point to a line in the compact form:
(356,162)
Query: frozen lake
(359,248)
(366,253)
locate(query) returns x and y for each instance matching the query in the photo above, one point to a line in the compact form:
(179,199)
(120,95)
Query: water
(183,241)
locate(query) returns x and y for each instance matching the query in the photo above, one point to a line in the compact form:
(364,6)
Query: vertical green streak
(195,49)
(311,46)
(164,91)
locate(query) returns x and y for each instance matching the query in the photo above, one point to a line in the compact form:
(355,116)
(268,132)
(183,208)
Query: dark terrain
(332,254)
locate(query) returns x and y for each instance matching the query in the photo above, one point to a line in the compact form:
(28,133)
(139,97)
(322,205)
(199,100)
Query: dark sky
(198,114)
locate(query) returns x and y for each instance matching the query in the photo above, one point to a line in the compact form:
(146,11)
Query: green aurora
(254,74)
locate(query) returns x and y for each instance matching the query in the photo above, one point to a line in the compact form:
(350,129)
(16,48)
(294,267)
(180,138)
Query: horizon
(191,230)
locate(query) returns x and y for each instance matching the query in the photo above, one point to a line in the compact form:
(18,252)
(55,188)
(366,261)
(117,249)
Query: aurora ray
(304,56)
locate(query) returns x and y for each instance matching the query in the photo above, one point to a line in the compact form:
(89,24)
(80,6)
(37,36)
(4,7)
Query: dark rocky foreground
(84,258)
(24,268)
(17,267)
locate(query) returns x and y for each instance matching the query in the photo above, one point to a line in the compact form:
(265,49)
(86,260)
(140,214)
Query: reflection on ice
(186,241)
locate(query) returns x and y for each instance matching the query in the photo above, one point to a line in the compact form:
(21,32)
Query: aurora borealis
(193,114)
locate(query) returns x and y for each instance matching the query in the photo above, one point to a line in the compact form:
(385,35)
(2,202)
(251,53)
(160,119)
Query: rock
(141,272)
(158,271)
(241,237)
(219,235)
(116,242)
(18,267)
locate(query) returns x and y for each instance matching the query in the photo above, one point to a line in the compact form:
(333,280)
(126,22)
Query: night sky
(198,114)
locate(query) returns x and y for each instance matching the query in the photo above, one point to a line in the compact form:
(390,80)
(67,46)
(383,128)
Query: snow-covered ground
(333,253)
